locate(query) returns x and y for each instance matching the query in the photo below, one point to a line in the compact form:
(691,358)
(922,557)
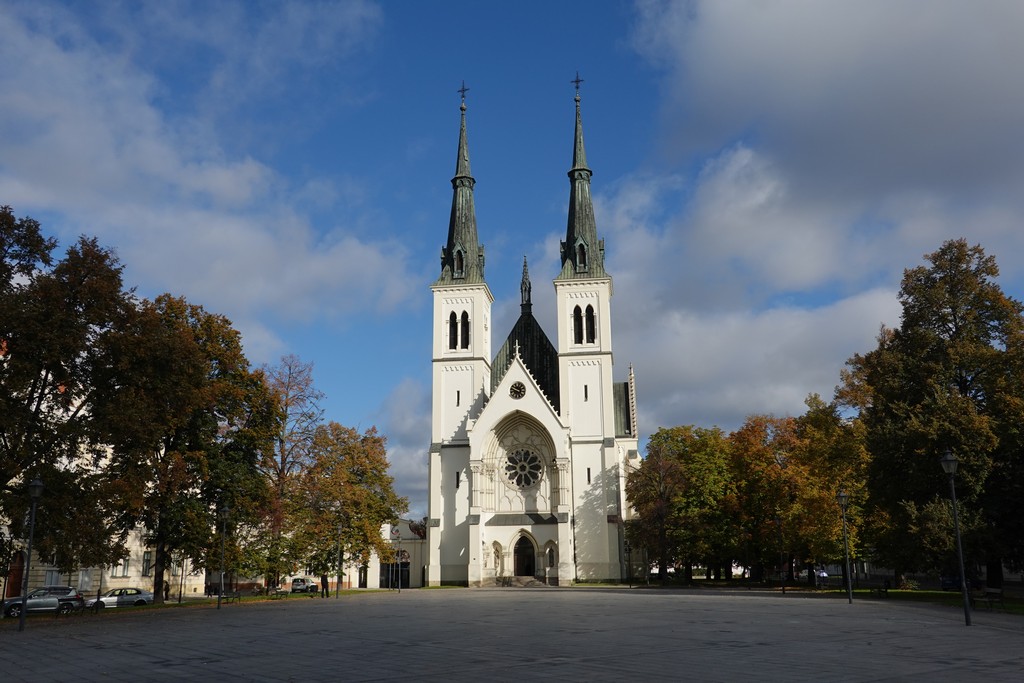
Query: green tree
(652,489)
(192,421)
(949,377)
(56,320)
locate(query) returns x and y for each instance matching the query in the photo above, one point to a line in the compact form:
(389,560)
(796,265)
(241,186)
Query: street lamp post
(844,499)
(223,536)
(35,489)
(949,463)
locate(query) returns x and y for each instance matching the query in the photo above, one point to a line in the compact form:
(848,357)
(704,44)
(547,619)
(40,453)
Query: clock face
(517,390)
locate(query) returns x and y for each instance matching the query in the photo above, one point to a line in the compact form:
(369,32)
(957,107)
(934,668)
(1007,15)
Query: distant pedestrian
(324,592)
(167,590)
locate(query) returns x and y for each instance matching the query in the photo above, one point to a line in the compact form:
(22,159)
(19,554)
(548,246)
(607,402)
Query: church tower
(529,451)
(461,365)
(583,291)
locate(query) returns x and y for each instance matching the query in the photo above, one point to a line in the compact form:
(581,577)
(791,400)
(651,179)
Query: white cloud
(406,412)
(869,95)
(715,369)
(839,143)
(82,136)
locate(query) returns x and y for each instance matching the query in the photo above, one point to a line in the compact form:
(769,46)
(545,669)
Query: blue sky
(763,173)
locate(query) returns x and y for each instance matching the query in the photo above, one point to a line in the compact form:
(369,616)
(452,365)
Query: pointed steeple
(462,259)
(525,289)
(582,252)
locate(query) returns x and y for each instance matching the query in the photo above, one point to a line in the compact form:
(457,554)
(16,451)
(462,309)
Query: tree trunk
(159,564)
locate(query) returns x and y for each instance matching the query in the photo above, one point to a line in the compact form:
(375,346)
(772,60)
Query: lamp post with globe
(949,463)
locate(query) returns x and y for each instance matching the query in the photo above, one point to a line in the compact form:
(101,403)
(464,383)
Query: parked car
(63,599)
(122,597)
(301,585)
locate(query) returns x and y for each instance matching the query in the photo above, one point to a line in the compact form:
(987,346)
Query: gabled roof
(533,346)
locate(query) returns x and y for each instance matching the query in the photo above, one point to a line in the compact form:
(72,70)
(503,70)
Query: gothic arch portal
(524,554)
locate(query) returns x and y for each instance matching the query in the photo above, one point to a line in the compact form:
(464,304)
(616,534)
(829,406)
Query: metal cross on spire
(577,81)
(462,91)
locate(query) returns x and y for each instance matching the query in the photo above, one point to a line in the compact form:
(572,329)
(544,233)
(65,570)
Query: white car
(122,597)
(305,586)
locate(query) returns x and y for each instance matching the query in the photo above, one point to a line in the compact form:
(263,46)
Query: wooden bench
(277,593)
(992,597)
(233,596)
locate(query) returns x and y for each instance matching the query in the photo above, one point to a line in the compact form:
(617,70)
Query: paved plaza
(572,634)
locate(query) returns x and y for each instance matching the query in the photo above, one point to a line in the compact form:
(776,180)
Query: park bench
(232,596)
(991,597)
(277,593)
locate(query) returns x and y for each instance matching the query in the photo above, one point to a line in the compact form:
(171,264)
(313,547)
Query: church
(530,445)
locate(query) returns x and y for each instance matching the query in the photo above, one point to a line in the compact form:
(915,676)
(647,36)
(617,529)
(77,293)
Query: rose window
(523,468)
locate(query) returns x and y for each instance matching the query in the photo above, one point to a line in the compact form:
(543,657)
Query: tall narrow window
(453,330)
(590,325)
(588,475)
(465,330)
(458,398)
(458,478)
(581,257)
(147,562)
(586,393)
(459,264)
(577,325)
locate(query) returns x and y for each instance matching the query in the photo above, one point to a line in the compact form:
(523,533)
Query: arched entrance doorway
(525,558)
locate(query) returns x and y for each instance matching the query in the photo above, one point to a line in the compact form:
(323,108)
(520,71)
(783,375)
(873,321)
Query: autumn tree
(949,377)
(831,454)
(346,494)
(768,481)
(287,460)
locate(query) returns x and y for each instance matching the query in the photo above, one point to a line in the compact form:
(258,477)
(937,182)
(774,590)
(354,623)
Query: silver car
(63,599)
(122,597)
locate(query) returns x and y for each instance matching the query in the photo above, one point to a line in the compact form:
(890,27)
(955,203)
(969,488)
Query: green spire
(462,259)
(582,252)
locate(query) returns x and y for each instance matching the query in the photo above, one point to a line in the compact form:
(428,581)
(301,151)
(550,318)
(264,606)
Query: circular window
(523,468)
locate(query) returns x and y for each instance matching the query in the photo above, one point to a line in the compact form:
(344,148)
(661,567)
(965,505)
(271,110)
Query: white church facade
(531,443)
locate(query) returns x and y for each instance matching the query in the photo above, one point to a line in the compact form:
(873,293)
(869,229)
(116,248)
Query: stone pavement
(575,634)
